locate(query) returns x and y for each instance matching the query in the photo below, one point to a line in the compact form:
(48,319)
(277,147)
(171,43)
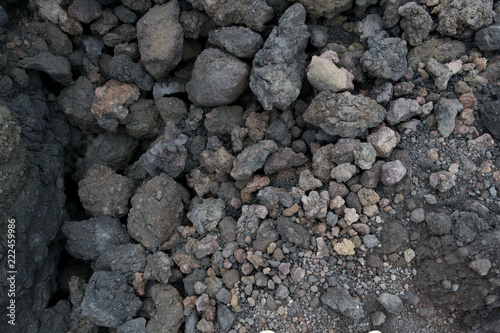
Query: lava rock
(364,155)
(85,11)
(292,232)
(56,67)
(137,325)
(459,15)
(169,308)
(4,17)
(443,50)
(127,258)
(391,303)
(343,172)
(252,13)
(339,299)
(75,101)
(393,237)
(402,109)
(167,154)
(249,221)
(157,208)
(239,41)
(488,39)
(160,38)
(316,204)
(386,57)
(344,114)
(446,111)
(103,192)
(278,69)
(416,23)
(384,141)
(326,8)
(278,132)
(283,159)
(143,119)
(86,240)
(225,317)
(252,159)
(218,78)
(111,102)
(206,212)
(109,301)
(323,74)
(124,69)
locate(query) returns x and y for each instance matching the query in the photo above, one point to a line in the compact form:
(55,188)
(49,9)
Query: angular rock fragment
(169,309)
(278,69)
(223,119)
(125,258)
(239,41)
(109,301)
(458,15)
(344,114)
(103,192)
(402,109)
(111,102)
(323,74)
(488,39)
(343,172)
(75,101)
(446,111)
(442,180)
(391,303)
(123,68)
(441,73)
(386,57)
(158,267)
(157,208)
(88,239)
(443,50)
(167,154)
(364,155)
(416,23)
(439,223)
(248,223)
(252,159)
(339,299)
(53,12)
(85,11)
(392,172)
(57,67)
(218,79)
(326,8)
(143,119)
(292,232)
(308,182)
(252,13)
(283,159)
(160,38)
(384,141)
(206,212)
(316,204)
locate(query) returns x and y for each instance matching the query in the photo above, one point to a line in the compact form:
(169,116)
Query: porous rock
(344,114)
(278,69)
(386,57)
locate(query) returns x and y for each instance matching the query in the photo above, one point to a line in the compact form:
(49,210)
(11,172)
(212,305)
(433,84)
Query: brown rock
(111,102)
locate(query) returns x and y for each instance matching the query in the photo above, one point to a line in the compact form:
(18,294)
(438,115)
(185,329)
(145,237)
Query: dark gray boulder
(56,66)
(239,41)
(292,232)
(339,299)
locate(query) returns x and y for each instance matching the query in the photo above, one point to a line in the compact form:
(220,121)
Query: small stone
(370,241)
(384,141)
(378,318)
(417,215)
(481,266)
(392,172)
(323,74)
(442,180)
(350,215)
(391,303)
(364,155)
(345,248)
(343,172)
(308,182)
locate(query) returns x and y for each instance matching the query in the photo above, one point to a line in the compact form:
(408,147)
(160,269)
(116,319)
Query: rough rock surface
(239,41)
(218,79)
(416,23)
(488,39)
(157,208)
(292,232)
(253,14)
(88,239)
(57,67)
(111,101)
(160,38)
(323,74)
(457,15)
(76,101)
(169,310)
(278,69)
(340,300)
(109,301)
(252,159)
(344,114)
(386,57)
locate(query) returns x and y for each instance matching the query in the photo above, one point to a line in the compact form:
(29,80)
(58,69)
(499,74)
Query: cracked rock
(316,204)
(416,23)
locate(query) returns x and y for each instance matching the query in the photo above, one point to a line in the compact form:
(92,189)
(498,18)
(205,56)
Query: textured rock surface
(253,14)
(386,57)
(325,8)
(416,23)
(109,301)
(339,299)
(344,114)
(56,66)
(323,74)
(488,39)
(278,69)
(252,159)
(157,208)
(218,79)
(88,239)
(239,41)
(160,39)
(458,15)
(111,101)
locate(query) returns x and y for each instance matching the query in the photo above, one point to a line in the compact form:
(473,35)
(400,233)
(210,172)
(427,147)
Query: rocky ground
(249,165)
